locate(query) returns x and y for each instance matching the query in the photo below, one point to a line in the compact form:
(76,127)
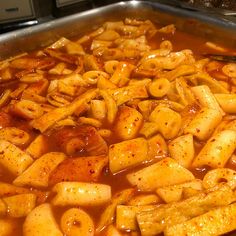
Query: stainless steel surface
(218,30)
(12,10)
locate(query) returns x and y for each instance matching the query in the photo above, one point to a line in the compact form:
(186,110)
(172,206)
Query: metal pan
(219,30)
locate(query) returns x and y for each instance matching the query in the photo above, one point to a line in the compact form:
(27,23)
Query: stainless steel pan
(215,29)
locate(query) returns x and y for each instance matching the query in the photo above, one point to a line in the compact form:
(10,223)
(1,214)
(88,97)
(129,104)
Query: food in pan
(127,130)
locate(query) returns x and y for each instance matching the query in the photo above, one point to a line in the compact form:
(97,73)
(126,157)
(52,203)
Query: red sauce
(180,41)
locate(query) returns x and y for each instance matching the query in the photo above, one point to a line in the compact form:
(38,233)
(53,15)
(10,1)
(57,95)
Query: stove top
(46,10)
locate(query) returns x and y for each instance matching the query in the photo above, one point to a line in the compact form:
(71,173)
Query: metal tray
(219,30)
